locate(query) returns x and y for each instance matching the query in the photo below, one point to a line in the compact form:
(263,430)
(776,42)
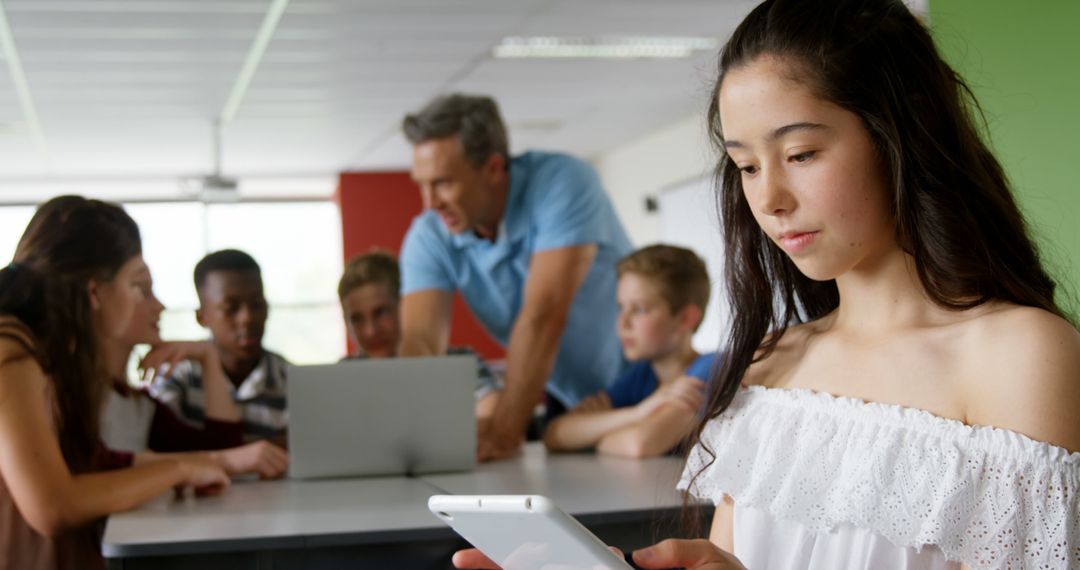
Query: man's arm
(425,323)
(555,276)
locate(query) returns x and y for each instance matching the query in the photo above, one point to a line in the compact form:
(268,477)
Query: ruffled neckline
(987,496)
(987,438)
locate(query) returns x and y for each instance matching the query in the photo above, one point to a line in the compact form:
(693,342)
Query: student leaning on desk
(56,478)
(652,407)
(899,389)
(530,242)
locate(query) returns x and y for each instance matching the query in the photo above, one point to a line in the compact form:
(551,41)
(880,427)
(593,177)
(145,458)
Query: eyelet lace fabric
(987,497)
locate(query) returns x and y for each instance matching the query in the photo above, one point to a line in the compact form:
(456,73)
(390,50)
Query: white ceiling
(126,89)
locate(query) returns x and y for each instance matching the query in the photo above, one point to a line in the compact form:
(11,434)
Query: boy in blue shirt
(651,408)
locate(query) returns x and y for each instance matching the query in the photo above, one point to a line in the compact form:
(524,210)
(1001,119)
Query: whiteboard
(688,218)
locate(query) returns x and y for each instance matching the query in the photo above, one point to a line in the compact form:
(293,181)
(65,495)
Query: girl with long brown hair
(900,388)
(55,477)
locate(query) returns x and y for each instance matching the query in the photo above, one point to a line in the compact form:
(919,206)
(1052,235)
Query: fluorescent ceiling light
(22,87)
(604,47)
(255,55)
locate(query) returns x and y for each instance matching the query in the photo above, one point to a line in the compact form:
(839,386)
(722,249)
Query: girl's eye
(802,156)
(750,169)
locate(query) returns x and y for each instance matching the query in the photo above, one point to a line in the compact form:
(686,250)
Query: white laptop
(386,416)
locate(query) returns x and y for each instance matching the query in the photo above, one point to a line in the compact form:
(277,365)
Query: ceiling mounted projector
(213,187)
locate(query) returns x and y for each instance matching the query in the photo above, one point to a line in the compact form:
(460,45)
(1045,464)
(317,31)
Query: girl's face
(144,326)
(809,170)
(646,325)
(117,302)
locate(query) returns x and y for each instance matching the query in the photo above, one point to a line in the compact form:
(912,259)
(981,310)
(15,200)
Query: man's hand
(496,442)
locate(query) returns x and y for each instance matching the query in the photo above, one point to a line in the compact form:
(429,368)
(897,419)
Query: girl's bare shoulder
(1024,375)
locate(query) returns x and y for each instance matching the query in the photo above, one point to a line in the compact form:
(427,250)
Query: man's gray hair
(474,118)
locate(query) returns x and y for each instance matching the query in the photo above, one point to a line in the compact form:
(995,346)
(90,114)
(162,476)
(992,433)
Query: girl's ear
(93,292)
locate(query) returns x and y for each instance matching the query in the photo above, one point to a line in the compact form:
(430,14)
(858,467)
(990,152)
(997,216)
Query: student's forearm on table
(650,436)
(91,496)
(218,456)
(580,430)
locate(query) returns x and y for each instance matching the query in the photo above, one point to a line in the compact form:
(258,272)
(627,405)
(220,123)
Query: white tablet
(524,532)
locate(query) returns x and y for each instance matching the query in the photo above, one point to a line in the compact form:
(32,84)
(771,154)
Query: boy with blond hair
(662,293)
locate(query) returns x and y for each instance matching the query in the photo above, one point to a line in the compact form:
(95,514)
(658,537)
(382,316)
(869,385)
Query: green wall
(1022,60)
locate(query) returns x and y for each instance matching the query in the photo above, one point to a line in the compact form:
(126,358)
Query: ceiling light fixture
(254,57)
(636,47)
(22,87)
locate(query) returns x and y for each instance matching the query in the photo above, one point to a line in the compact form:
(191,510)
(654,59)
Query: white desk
(585,485)
(255,515)
(374,522)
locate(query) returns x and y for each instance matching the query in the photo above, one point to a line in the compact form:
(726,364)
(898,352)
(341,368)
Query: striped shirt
(260,397)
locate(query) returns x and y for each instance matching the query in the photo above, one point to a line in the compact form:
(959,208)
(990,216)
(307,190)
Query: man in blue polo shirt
(531,242)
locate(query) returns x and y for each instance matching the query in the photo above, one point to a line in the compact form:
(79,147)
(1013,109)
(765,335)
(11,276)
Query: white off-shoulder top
(824,482)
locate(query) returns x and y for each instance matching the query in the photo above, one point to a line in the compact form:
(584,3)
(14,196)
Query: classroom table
(593,488)
(384,522)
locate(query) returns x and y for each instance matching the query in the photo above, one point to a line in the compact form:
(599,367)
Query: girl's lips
(795,242)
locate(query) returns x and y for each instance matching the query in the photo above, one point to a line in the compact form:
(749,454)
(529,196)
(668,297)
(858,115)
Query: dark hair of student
(475,119)
(953,209)
(224,260)
(69,241)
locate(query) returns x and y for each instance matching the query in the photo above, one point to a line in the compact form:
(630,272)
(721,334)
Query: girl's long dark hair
(953,210)
(69,241)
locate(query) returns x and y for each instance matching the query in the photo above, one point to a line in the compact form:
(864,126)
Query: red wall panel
(376,209)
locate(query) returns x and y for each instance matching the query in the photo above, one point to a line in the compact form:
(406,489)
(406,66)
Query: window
(13,220)
(297,244)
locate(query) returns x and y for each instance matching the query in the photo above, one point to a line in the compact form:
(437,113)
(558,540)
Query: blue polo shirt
(555,201)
